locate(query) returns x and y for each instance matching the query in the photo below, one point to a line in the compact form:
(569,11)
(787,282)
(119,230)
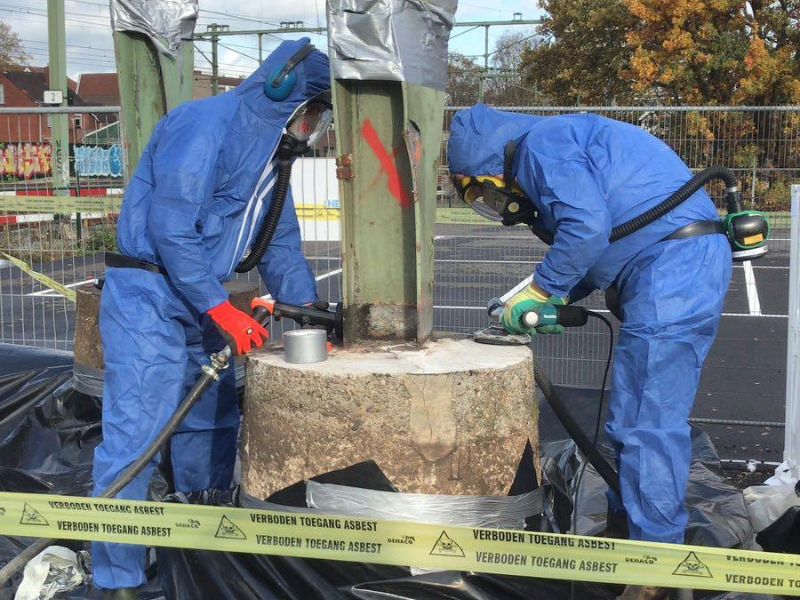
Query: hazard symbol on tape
(691,566)
(31,516)
(229,530)
(446,546)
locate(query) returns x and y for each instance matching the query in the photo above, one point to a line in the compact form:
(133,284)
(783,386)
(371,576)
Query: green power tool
(747,230)
(549,314)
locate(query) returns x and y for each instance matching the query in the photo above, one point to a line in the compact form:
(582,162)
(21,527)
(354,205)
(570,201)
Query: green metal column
(389,137)
(58,81)
(150,84)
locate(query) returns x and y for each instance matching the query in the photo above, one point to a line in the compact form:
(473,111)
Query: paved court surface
(743,378)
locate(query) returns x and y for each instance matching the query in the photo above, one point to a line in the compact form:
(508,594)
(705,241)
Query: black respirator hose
(208,375)
(680,196)
(270,224)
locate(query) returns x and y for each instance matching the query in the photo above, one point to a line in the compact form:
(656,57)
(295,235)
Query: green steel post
(260,49)
(150,84)
(58,81)
(389,137)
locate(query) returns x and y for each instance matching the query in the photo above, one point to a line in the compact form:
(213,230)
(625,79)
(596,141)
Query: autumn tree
(681,52)
(582,52)
(772,60)
(11,52)
(719,51)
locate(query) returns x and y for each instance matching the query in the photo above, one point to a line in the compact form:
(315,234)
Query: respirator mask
(308,123)
(499,199)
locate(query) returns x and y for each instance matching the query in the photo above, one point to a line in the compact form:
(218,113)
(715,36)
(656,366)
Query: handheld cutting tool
(550,314)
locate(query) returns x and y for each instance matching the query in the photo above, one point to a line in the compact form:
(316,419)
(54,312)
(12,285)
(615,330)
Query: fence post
(789,471)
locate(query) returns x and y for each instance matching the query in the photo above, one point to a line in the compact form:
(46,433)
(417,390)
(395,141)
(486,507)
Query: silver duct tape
(394,40)
(170,20)
(89,380)
(504,512)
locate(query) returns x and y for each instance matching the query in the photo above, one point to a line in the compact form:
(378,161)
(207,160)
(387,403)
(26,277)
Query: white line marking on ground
(46,293)
(752,290)
(328,274)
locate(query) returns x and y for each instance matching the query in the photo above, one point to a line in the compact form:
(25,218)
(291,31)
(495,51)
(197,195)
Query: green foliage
(679,52)
(583,52)
(12,54)
(103,239)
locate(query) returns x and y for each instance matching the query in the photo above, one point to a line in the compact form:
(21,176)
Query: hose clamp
(220,360)
(210,371)
(732,189)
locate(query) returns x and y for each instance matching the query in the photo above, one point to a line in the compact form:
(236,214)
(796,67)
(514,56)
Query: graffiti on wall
(94,161)
(25,160)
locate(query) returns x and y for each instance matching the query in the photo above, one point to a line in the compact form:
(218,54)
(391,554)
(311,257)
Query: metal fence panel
(57,232)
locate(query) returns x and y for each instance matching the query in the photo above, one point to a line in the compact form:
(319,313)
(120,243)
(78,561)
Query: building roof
(34,85)
(46,71)
(99,89)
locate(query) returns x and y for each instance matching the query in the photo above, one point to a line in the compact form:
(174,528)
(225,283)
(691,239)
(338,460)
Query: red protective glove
(241,330)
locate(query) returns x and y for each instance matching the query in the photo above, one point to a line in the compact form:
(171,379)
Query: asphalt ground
(743,377)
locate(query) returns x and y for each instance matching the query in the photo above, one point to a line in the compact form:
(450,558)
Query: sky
(90,46)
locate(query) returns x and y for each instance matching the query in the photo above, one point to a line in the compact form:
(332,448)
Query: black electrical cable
(596,430)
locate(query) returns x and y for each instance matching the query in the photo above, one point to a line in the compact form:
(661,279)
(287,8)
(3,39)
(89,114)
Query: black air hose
(582,441)
(683,193)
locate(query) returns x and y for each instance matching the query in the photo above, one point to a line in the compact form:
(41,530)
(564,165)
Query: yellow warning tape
(317,213)
(61,204)
(42,278)
(449,547)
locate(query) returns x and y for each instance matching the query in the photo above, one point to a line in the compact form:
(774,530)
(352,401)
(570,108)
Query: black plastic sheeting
(784,534)
(48,433)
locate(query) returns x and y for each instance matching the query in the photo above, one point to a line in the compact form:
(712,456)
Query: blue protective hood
(313,77)
(584,174)
(478,138)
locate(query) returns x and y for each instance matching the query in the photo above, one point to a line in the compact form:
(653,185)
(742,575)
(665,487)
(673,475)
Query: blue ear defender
(281,80)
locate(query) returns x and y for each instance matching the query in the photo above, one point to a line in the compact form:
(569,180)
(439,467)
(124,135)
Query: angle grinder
(319,314)
(549,314)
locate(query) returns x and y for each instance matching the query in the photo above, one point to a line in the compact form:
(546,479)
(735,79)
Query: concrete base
(452,418)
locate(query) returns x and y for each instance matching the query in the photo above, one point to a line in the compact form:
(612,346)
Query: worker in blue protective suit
(191,212)
(578,176)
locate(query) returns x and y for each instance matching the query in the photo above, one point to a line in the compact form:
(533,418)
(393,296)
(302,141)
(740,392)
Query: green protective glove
(526,300)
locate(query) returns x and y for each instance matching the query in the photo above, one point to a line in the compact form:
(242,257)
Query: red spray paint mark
(387,162)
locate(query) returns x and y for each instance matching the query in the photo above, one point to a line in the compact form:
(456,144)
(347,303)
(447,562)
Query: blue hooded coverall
(586,174)
(194,205)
